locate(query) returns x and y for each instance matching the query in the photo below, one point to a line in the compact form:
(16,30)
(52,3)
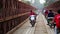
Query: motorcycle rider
(46,13)
(34,14)
(50,16)
(57,22)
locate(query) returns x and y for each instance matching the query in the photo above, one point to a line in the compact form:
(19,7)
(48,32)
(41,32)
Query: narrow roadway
(40,27)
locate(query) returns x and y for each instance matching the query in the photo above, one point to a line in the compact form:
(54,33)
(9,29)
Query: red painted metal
(9,9)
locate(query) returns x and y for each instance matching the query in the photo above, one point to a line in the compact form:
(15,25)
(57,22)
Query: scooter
(32,20)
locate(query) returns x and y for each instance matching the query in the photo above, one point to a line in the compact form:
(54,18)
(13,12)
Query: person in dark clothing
(50,16)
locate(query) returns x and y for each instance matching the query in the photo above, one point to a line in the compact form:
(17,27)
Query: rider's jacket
(46,12)
(57,20)
(50,14)
(32,13)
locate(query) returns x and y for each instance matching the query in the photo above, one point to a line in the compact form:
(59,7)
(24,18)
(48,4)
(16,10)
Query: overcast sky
(38,4)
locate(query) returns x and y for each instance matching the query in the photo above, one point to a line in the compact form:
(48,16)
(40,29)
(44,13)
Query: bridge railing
(11,17)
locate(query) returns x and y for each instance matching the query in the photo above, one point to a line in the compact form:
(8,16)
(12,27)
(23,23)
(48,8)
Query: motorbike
(50,20)
(32,20)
